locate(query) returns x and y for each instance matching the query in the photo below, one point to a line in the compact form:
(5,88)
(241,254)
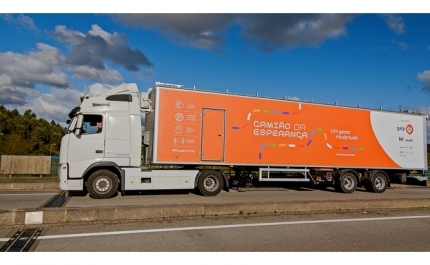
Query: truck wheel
(347,183)
(378,183)
(210,183)
(102,184)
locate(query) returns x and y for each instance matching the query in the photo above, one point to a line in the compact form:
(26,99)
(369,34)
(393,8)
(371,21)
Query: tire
(210,183)
(378,183)
(347,183)
(102,184)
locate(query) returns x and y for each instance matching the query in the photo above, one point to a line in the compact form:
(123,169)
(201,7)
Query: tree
(27,135)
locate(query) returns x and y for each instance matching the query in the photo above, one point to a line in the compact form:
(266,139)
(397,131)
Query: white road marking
(224,226)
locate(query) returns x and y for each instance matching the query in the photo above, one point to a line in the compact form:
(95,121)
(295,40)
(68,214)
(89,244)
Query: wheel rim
(102,184)
(349,183)
(210,183)
(380,183)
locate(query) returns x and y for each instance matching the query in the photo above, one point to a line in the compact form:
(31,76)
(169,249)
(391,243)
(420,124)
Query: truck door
(88,147)
(213,135)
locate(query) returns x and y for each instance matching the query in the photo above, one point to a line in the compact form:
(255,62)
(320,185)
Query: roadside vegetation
(28,135)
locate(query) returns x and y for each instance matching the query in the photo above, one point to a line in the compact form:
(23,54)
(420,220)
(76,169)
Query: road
(10,200)
(404,231)
(13,200)
(289,193)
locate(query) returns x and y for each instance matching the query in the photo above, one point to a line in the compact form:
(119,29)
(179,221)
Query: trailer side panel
(266,132)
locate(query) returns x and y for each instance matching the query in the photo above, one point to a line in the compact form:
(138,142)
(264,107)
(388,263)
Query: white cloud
(12,95)
(53,106)
(395,23)
(21,20)
(403,45)
(68,35)
(87,72)
(25,70)
(5,80)
(424,78)
(57,104)
(97,89)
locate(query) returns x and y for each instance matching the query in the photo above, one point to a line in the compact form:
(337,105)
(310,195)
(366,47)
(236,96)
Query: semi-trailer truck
(189,135)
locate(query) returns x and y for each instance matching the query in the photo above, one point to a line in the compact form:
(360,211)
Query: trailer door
(213,135)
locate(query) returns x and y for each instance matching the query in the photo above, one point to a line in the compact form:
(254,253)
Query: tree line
(27,135)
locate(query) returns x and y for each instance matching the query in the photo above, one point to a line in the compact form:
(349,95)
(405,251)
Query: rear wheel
(210,183)
(347,183)
(378,183)
(102,184)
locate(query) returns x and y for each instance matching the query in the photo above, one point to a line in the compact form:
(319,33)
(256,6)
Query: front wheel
(102,184)
(210,183)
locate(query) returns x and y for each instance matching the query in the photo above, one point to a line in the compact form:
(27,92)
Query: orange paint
(200,128)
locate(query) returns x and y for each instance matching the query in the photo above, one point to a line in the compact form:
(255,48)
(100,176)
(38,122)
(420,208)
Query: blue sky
(373,59)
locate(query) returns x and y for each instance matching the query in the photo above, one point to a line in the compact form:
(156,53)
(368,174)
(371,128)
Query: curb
(73,216)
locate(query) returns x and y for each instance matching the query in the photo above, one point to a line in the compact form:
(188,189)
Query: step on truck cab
(193,139)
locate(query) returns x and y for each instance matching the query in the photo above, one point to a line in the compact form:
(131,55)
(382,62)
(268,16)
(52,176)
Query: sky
(375,59)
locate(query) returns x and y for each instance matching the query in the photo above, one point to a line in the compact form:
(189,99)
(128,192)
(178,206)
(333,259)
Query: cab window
(92,124)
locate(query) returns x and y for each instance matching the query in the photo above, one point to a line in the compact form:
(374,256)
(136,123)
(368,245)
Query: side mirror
(79,125)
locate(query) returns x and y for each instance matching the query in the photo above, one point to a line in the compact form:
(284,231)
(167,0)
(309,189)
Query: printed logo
(178,129)
(179,117)
(179,105)
(400,138)
(401,128)
(409,129)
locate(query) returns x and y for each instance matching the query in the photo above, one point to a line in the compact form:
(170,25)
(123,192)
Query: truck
(172,137)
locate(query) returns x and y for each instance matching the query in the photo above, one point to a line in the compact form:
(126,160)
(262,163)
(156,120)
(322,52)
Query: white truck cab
(104,131)
(101,150)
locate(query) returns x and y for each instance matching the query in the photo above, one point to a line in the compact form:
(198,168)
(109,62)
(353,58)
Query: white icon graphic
(179,105)
(178,140)
(179,117)
(178,129)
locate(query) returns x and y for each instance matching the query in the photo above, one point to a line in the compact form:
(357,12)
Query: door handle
(99,151)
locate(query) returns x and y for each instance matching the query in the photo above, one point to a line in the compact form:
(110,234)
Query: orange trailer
(276,137)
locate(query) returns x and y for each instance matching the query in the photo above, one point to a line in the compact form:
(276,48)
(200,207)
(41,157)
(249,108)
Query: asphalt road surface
(400,231)
(14,200)
(289,193)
